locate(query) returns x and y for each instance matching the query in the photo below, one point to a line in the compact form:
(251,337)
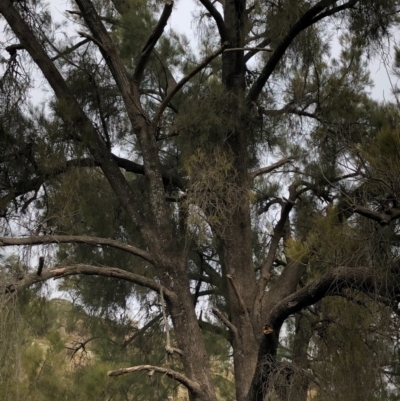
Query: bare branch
(69,50)
(76,239)
(166,325)
(152,41)
(12,49)
(382,218)
(268,169)
(258,49)
(89,270)
(191,385)
(279,232)
(261,45)
(184,80)
(91,38)
(238,296)
(333,282)
(141,331)
(225,321)
(217,18)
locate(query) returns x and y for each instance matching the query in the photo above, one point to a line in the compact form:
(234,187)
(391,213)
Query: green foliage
(317,110)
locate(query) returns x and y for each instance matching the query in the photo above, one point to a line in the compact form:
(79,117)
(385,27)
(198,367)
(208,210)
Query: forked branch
(332,283)
(191,385)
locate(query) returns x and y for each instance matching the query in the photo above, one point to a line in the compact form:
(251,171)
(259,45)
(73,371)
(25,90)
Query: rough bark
(256,311)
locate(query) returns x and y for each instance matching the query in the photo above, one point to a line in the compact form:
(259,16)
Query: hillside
(53,349)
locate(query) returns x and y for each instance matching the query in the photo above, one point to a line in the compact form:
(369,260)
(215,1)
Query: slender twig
(141,331)
(69,50)
(259,49)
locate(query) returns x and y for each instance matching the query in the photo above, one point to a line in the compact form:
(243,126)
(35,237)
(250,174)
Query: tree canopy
(229,205)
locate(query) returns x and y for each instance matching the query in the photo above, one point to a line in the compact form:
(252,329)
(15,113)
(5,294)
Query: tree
(157,185)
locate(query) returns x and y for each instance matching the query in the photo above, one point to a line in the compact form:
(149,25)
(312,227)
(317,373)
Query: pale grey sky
(182,20)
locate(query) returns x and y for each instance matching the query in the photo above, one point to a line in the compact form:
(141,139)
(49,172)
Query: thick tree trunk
(188,333)
(236,238)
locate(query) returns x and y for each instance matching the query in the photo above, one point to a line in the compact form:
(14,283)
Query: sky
(182,20)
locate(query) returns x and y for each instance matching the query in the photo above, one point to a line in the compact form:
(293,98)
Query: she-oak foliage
(240,200)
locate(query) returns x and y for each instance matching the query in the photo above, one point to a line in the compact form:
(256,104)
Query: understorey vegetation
(222,212)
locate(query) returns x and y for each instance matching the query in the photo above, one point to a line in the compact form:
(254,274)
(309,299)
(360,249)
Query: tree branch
(34,184)
(217,18)
(89,270)
(191,385)
(183,81)
(76,239)
(268,169)
(238,49)
(142,330)
(279,232)
(70,49)
(310,17)
(382,218)
(253,52)
(152,41)
(219,331)
(156,223)
(332,283)
(232,328)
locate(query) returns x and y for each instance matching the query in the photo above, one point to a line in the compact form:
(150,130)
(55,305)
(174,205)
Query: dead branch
(12,49)
(238,296)
(279,231)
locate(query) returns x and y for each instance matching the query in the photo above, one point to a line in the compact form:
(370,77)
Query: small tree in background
(248,193)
